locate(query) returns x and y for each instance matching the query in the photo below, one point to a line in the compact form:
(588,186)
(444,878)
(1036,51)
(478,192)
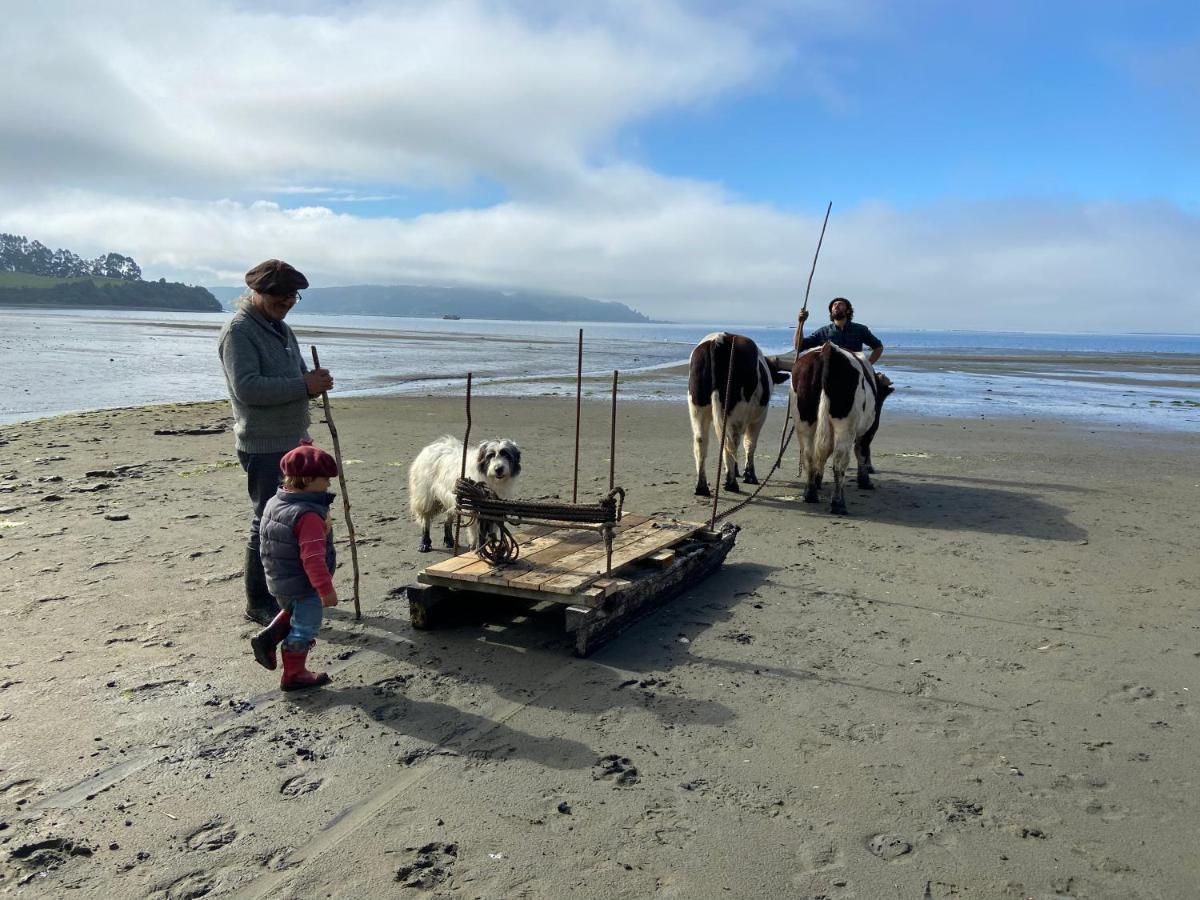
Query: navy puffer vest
(279,547)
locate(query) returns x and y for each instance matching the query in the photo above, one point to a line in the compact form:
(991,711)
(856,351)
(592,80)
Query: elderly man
(842,330)
(269,388)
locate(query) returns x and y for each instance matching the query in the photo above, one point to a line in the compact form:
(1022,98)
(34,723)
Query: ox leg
(863,455)
(842,444)
(448,532)
(750,444)
(426,540)
(731,465)
(701,422)
(807,436)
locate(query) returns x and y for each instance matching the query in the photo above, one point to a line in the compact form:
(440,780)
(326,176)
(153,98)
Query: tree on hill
(19,254)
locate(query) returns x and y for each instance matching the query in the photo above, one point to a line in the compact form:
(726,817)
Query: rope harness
(476,502)
(785,439)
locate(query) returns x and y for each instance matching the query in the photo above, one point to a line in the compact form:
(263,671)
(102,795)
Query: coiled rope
(479,503)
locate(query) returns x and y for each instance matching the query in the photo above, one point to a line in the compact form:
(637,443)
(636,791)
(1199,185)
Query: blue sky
(1037,159)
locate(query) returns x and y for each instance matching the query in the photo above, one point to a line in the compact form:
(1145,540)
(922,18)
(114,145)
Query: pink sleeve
(310,530)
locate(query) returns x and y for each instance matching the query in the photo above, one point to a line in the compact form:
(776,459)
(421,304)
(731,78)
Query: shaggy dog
(432,475)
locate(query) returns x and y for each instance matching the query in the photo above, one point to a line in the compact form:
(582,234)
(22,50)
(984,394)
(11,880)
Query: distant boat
(451,316)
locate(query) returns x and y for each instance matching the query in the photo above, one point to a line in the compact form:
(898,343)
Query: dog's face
(498,460)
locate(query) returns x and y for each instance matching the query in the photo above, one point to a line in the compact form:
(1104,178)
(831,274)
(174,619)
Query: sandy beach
(982,683)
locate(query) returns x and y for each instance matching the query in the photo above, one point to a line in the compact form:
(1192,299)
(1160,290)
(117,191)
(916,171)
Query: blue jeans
(262,481)
(307,613)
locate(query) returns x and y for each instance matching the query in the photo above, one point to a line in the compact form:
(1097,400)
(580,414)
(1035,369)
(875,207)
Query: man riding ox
(838,398)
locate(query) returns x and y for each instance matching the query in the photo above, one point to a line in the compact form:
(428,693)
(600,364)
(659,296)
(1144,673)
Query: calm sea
(59,361)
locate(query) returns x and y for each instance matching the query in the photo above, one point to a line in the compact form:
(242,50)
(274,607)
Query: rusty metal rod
(337,455)
(578,398)
(612,435)
(462,472)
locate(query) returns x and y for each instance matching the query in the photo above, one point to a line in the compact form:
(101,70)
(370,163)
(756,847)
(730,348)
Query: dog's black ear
(483,454)
(514,453)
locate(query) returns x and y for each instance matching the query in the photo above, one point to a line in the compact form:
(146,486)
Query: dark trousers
(262,481)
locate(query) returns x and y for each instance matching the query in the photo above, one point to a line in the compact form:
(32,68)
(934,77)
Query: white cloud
(680,250)
(193,97)
(129,121)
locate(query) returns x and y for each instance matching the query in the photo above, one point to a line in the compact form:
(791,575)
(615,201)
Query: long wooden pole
(818,253)
(578,398)
(337,455)
(812,271)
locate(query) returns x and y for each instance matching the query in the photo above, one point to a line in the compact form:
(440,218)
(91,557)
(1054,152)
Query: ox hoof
(810,496)
(870,469)
(426,547)
(733,487)
(838,508)
(703,491)
(864,483)
(750,478)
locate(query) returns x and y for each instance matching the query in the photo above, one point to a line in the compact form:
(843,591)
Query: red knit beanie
(307,461)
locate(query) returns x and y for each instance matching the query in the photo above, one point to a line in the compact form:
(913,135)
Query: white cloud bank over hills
(134,124)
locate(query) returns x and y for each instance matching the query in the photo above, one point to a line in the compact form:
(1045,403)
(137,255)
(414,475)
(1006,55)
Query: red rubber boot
(295,676)
(264,643)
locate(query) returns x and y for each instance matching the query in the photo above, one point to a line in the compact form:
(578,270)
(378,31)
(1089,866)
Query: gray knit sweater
(265,373)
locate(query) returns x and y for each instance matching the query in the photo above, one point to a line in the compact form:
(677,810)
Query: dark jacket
(279,547)
(851,338)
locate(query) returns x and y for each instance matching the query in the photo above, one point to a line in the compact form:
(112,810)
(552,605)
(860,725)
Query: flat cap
(275,277)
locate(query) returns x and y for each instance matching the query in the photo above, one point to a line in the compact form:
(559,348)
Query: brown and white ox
(838,398)
(754,376)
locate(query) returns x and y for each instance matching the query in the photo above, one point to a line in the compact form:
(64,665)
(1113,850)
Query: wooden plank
(502,590)
(547,564)
(663,558)
(585,538)
(589,568)
(453,563)
(547,571)
(481,568)
(543,547)
(592,627)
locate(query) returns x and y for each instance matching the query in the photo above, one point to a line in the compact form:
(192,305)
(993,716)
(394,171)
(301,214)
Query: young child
(298,558)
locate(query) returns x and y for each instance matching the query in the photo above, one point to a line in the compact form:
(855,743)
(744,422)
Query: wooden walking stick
(337,455)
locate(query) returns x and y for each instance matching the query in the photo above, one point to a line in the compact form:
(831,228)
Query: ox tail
(824,434)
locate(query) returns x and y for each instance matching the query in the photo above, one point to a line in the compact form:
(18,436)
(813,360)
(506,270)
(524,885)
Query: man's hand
(330,599)
(317,381)
(803,317)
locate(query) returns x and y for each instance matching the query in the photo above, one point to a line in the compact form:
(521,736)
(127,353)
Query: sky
(995,166)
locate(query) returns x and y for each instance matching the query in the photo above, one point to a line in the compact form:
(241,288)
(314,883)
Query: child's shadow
(440,729)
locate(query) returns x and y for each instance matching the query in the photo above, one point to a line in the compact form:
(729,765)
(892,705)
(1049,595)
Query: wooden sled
(653,560)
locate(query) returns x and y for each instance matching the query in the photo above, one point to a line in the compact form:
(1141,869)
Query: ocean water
(65,361)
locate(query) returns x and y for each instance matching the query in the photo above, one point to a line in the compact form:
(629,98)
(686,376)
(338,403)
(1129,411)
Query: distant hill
(424,301)
(33,275)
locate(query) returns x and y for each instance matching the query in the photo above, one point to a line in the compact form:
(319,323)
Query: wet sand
(980,684)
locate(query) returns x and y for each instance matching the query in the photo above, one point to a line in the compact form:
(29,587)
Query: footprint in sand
(819,855)
(212,836)
(1132,693)
(191,885)
(431,865)
(889,846)
(619,768)
(299,785)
